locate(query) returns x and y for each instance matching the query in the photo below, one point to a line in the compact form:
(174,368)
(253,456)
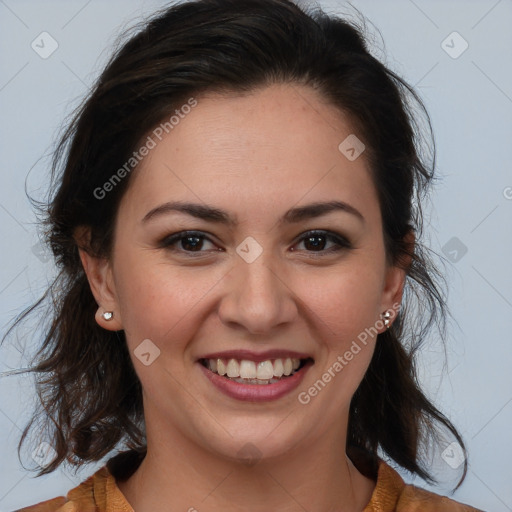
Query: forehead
(279,143)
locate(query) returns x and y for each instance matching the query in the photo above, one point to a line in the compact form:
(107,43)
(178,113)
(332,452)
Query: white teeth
(288,367)
(250,372)
(221,367)
(256,381)
(265,370)
(233,368)
(278,368)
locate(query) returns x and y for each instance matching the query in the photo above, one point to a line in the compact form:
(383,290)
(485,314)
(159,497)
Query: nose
(258,298)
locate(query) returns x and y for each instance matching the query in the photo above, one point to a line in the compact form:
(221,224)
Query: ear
(395,278)
(99,274)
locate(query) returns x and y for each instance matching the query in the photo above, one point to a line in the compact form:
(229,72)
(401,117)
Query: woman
(236,225)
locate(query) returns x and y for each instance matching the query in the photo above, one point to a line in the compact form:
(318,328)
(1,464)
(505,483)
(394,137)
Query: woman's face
(263,277)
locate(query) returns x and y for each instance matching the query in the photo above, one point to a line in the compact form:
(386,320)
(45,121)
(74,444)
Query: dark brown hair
(90,396)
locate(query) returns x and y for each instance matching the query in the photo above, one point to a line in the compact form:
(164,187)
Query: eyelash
(341,243)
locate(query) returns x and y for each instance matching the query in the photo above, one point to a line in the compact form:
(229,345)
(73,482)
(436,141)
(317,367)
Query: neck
(177,474)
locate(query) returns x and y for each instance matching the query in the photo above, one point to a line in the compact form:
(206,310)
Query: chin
(248,444)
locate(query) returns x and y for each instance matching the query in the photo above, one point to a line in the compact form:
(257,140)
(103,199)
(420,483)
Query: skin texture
(255,156)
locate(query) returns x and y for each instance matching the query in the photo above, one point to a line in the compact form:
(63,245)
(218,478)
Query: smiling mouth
(245,371)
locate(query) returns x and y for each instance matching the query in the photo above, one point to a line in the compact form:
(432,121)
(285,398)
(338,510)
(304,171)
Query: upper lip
(256,356)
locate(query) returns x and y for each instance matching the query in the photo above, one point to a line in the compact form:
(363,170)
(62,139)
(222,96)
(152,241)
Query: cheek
(159,301)
(346,306)
(345,302)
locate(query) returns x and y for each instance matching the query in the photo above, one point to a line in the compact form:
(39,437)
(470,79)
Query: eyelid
(341,242)
(180,235)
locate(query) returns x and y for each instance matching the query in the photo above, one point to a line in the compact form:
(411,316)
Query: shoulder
(83,498)
(394,495)
(46,506)
(99,492)
(414,499)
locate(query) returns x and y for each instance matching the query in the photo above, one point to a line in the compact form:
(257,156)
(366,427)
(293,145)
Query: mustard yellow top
(100,493)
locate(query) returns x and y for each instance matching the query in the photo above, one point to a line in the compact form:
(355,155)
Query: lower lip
(256,392)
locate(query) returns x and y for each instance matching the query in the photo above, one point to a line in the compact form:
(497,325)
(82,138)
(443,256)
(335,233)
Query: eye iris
(315,246)
(196,243)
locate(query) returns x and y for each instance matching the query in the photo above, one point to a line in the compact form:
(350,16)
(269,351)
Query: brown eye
(192,243)
(187,242)
(316,241)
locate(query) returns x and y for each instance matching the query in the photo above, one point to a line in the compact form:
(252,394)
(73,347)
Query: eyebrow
(216,215)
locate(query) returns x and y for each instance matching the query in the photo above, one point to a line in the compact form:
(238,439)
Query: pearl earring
(108,315)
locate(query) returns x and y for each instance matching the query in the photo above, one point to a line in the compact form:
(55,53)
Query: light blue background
(470,101)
